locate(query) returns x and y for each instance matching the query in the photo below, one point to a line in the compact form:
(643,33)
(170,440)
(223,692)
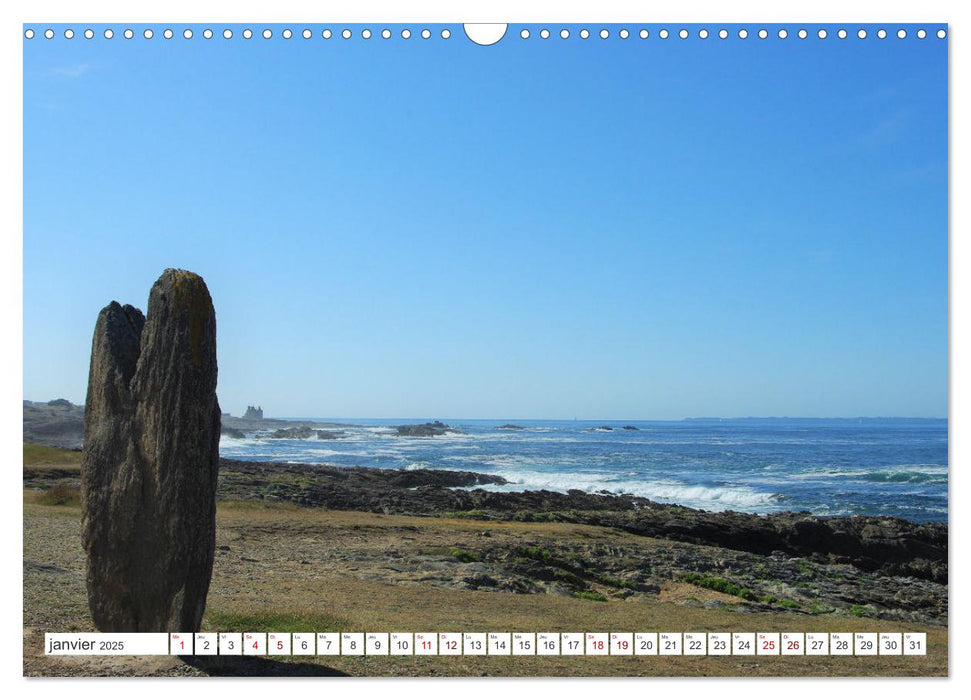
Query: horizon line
(611,420)
(616,420)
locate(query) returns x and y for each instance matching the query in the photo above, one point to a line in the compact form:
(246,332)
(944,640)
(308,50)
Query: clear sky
(537,229)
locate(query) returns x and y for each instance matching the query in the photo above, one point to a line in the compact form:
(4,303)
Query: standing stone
(150,460)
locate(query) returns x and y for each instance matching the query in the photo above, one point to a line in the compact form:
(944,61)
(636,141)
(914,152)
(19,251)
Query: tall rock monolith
(150,460)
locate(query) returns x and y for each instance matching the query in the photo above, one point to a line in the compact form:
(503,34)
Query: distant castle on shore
(254,412)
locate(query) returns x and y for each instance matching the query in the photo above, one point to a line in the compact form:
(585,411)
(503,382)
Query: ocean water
(829,467)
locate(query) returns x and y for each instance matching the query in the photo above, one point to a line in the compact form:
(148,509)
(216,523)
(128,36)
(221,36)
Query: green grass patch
(273,621)
(718,584)
(587,595)
(41,455)
(463,555)
(791,604)
(536,553)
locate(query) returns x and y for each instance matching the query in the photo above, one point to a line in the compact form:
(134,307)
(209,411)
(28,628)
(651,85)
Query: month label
(841,644)
(254,643)
(621,643)
(377,644)
(669,643)
(719,644)
(524,643)
(548,643)
(449,644)
(817,644)
(402,643)
(694,643)
(915,643)
(106,644)
(597,644)
(328,644)
(793,643)
(230,643)
(743,643)
(303,644)
(571,644)
(645,643)
(474,643)
(352,643)
(206,643)
(865,643)
(278,643)
(500,644)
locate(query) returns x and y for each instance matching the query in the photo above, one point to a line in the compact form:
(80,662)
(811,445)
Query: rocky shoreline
(864,566)
(888,546)
(871,567)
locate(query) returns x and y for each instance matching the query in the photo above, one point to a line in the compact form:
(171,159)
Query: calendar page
(528,349)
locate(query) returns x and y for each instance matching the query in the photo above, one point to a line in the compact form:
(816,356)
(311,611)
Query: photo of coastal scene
(584,328)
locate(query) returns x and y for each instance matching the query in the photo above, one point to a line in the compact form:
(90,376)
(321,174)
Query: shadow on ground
(255,666)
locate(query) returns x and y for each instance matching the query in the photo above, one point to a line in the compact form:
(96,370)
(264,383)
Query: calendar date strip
(487,644)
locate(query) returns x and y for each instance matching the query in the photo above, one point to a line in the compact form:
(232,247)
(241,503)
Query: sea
(867,466)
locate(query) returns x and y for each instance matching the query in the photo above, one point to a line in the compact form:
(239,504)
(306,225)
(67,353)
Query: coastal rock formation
(510,426)
(301,433)
(423,430)
(253,413)
(232,432)
(150,460)
(888,546)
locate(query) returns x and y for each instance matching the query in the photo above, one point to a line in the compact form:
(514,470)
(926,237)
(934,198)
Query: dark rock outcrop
(232,432)
(330,434)
(301,433)
(423,429)
(150,460)
(631,427)
(510,426)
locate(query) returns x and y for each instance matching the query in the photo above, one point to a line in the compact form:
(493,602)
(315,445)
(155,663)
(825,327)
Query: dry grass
(56,495)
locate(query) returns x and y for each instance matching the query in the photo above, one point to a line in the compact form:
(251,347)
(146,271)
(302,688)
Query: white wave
(864,472)
(716,498)
(414,466)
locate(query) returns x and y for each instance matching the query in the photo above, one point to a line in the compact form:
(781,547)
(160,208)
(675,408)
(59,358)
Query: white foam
(716,498)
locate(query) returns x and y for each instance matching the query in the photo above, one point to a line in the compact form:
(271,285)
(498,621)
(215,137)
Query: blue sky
(537,229)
